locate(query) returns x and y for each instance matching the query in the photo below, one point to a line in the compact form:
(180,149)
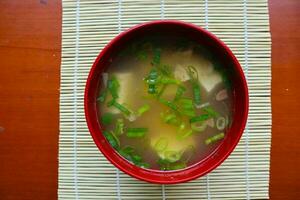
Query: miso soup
(164,103)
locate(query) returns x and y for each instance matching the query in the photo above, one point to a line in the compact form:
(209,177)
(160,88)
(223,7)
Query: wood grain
(30,49)
(285,151)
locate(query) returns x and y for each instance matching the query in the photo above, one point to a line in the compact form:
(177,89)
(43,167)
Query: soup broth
(164,103)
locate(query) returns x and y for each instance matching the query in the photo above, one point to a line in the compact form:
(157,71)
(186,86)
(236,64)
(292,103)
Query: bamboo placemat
(88,25)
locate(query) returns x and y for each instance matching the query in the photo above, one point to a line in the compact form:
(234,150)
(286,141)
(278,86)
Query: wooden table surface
(30,53)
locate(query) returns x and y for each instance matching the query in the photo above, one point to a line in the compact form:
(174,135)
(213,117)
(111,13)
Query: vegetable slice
(172,156)
(113,86)
(193,74)
(113,141)
(210,111)
(119,129)
(156,57)
(199,118)
(180,90)
(136,132)
(199,126)
(214,138)
(170,104)
(186,107)
(102,96)
(221,123)
(120,107)
(161,144)
(107,118)
(143,109)
(184,134)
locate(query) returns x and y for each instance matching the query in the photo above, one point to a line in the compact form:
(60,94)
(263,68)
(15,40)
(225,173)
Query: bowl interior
(220,52)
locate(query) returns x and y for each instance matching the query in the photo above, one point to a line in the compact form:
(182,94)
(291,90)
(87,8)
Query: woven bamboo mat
(88,25)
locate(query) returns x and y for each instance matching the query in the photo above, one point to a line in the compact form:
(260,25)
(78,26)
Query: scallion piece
(198,126)
(102,96)
(177,165)
(119,129)
(167,80)
(120,107)
(143,165)
(152,81)
(113,86)
(161,144)
(214,138)
(143,109)
(172,156)
(210,111)
(193,74)
(156,57)
(221,123)
(168,103)
(136,158)
(136,132)
(199,118)
(171,119)
(184,134)
(186,107)
(113,141)
(196,93)
(180,90)
(107,118)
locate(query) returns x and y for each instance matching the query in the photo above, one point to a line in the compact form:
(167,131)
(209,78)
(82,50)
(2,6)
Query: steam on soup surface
(164,105)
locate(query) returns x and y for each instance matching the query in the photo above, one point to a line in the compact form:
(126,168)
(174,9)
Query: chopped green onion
(136,159)
(156,57)
(119,130)
(214,138)
(168,103)
(125,155)
(210,111)
(161,144)
(143,165)
(130,155)
(176,166)
(113,141)
(136,132)
(167,80)
(184,134)
(186,107)
(120,107)
(193,74)
(162,89)
(143,109)
(113,86)
(171,119)
(107,118)
(199,126)
(196,93)
(152,81)
(172,156)
(221,123)
(200,118)
(102,96)
(180,90)
(128,149)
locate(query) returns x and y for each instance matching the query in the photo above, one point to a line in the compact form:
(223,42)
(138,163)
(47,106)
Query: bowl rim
(149,177)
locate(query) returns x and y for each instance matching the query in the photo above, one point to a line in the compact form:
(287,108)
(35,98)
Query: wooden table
(30,53)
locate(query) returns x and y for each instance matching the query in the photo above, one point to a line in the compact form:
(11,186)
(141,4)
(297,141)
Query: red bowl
(240,100)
